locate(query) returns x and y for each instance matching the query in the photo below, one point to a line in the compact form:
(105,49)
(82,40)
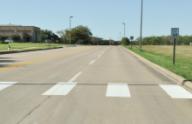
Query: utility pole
(174,50)
(124,29)
(141,27)
(174,34)
(70,21)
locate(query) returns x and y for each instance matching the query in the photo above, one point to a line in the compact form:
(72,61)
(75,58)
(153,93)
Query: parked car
(8,41)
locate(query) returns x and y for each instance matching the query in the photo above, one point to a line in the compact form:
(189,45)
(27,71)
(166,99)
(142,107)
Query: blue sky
(103,17)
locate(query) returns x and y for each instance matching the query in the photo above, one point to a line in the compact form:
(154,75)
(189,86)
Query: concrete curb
(187,84)
(20,51)
(178,79)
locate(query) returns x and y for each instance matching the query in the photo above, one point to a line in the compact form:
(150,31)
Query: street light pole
(141,26)
(70,21)
(124,26)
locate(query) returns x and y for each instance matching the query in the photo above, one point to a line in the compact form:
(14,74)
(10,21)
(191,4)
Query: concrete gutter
(27,50)
(176,78)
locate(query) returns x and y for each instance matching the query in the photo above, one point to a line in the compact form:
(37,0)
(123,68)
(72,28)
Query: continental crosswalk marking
(62,88)
(4,85)
(176,92)
(118,90)
(114,89)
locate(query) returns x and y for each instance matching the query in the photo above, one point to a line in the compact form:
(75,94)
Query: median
(26,47)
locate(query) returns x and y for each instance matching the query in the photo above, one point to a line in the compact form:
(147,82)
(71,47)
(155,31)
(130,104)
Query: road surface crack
(35,108)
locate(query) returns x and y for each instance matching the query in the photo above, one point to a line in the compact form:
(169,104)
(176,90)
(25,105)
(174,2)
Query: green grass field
(27,46)
(162,55)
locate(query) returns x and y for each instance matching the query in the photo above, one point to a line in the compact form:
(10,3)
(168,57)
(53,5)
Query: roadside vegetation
(162,55)
(125,41)
(166,40)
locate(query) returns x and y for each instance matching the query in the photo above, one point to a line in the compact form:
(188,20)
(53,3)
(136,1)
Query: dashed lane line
(92,62)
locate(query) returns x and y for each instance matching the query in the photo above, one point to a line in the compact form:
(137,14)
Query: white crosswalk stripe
(176,92)
(118,90)
(63,88)
(4,85)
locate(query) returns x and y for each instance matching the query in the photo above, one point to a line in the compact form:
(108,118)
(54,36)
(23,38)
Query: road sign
(131,37)
(174,32)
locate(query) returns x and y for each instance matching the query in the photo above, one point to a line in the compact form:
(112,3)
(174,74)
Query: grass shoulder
(183,65)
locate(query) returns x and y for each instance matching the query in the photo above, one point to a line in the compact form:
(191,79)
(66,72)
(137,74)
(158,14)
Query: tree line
(77,35)
(83,35)
(166,40)
(159,40)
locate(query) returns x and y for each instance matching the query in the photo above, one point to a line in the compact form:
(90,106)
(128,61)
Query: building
(23,33)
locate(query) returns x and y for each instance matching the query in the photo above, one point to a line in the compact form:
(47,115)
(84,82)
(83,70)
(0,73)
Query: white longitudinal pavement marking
(63,88)
(4,85)
(176,92)
(118,90)
(92,62)
(75,77)
(99,56)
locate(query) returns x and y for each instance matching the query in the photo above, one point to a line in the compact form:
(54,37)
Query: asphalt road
(88,85)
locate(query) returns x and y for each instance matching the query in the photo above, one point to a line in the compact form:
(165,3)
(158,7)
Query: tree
(79,34)
(96,40)
(47,35)
(125,41)
(61,35)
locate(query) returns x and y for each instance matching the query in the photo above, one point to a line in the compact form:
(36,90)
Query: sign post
(174,34)
(131,38)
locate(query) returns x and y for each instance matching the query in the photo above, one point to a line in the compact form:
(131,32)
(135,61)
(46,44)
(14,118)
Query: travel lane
(53,67)
(145,102)
(21,99)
